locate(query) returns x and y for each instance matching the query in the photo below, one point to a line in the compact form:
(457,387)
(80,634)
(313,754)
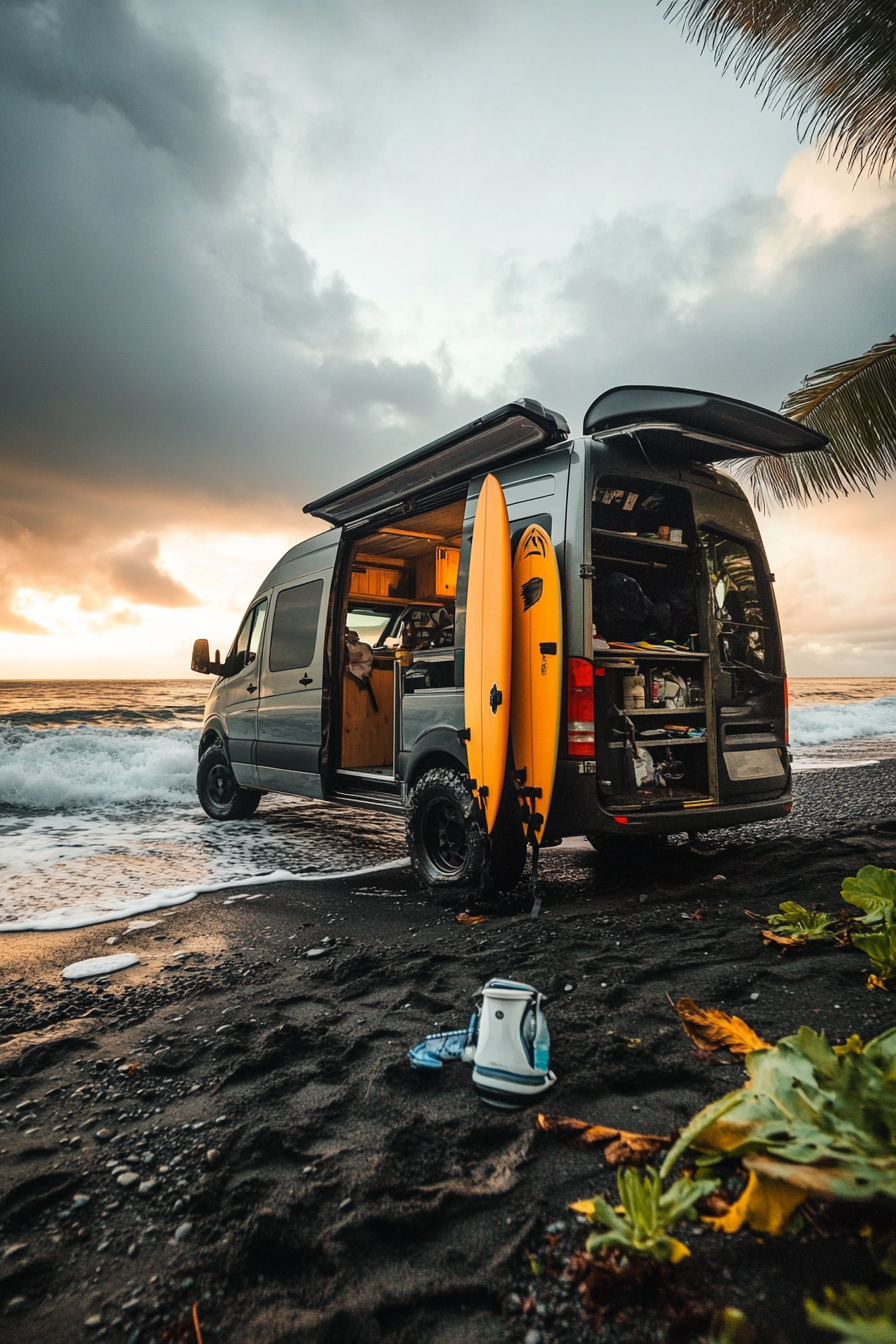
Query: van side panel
(292,674)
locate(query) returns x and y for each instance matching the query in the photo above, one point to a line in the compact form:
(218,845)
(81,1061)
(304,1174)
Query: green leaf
(874,891)
(649,1212)
(795,921)
(824,1121)
(859,1315)
(730,1326)
(828,64)
(880,948)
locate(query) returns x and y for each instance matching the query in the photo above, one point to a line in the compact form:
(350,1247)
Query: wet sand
(300,1184)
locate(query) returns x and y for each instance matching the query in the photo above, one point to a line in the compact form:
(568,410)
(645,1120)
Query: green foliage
(881,948)
(795,921)
(822,1120)
(648,1214)
(730,1326)
(874,891)
(854,405)
(857,1314)
(828,63)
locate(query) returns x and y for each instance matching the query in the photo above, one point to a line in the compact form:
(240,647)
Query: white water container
(511,1056)
(633,693)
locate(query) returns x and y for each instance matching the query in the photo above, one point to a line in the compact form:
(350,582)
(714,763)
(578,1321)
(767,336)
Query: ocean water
(98,808)
(98,811)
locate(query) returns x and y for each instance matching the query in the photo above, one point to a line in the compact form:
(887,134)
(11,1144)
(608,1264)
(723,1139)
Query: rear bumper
(576,810)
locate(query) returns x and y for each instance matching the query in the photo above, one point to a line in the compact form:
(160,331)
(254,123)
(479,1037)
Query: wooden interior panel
(367,736)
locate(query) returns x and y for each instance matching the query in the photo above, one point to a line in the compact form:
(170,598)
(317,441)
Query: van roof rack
(717,428)
(485,442)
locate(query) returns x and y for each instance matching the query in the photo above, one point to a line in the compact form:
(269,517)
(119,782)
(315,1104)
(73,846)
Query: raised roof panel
(484,443)
(736,424)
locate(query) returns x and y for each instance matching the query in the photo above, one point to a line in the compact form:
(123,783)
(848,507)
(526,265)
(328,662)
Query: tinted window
(248,641)
(294,633)
(746,634)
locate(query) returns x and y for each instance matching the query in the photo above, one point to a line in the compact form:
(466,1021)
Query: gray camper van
(345,680)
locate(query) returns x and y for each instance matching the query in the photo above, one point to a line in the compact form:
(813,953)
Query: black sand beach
(283,1169)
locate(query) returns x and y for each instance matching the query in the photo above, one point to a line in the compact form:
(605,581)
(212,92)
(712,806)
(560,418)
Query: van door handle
(306,680)
(251,688)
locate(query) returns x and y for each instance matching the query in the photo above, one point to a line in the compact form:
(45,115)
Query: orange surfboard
(537,680)
(487,653)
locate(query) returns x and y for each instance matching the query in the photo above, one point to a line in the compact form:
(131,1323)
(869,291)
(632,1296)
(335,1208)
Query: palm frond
(854,405)
(829,63)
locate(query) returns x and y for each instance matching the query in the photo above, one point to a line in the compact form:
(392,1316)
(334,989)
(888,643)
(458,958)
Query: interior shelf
(649,742)
(658,654)
(639,541)
(666,713)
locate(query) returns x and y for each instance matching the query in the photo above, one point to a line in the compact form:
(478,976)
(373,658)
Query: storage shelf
(666,713)
(639,541)
(648,655)
(649,742)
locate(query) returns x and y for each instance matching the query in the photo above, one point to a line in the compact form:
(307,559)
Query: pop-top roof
(728,428)
(486,442)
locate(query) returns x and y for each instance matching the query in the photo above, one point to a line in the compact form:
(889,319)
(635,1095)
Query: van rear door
(290,701)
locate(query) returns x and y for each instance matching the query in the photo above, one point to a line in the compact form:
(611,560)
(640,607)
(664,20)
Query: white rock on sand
(81,970)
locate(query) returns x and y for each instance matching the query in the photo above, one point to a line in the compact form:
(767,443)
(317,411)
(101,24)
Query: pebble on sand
(127,1178)
(182,1232)
(82,970)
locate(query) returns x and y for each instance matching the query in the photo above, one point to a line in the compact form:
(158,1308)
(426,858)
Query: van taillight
(579,707)
(786,713)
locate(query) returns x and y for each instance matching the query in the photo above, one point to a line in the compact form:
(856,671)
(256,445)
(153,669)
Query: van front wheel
(219,793)
(446,842)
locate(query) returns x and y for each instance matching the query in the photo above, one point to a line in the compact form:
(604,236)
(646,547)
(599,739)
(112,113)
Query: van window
(294,632)
(746,634)
(644,587)
(248,641)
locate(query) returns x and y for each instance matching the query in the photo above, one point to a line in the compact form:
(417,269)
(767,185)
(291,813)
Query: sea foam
(106,912)
(77,768)
(813,724)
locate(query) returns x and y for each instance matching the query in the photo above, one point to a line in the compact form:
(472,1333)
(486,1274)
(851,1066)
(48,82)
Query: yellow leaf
(585,1206)
(766,1205)
(875,982)
(723,1136)
(679,1251)
(710,1028)
(853,1046)
(464,918)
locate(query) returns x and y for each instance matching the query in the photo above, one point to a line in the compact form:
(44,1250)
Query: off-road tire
(219,793)
(447,843)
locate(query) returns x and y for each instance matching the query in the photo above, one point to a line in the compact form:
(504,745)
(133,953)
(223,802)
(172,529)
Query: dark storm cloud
(164,341)
(94,56)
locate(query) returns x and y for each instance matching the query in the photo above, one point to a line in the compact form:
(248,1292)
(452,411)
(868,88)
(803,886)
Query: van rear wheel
(219,793)
(447,843)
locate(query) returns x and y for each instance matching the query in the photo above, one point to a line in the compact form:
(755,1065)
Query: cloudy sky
(250,250)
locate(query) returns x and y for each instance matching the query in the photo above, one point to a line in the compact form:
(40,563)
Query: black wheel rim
(445,836)
(220,786)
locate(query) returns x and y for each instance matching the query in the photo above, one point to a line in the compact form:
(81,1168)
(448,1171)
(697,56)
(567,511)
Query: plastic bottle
(633,695)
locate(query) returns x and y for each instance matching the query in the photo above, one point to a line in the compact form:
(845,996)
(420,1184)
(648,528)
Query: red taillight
(579,707)
(786,713)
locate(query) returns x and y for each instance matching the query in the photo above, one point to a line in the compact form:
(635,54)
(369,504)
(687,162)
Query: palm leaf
(854,405)
(829,63)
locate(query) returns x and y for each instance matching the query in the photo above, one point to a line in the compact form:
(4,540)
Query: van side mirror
(202,662)
(201,657)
